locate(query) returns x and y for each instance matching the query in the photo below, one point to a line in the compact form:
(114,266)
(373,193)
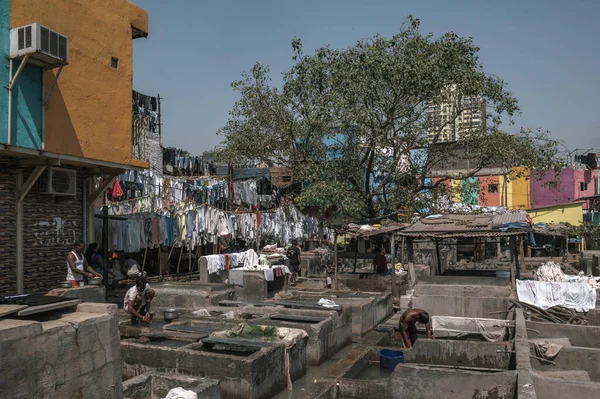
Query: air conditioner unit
(46,48)
(58,181)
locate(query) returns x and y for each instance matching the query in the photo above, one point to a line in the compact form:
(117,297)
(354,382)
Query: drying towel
(578,296)
(546,349)
(180,393)
(268,274)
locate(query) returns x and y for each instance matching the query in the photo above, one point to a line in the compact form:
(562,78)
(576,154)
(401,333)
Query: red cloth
(117,191)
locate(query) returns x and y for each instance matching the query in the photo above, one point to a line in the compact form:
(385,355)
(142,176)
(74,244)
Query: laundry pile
(549,271)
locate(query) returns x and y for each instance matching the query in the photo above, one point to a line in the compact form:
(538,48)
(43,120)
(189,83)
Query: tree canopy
(352,124)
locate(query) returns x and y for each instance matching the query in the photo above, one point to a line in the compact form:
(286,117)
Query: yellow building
(569,213)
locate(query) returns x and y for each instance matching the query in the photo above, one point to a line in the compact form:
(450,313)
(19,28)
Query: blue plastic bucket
(389,359)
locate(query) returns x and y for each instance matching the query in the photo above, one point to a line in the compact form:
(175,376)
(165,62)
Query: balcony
(146,142)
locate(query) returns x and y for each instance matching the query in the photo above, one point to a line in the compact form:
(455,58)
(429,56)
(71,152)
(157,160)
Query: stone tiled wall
(8,222)
(75,356)
(50,226)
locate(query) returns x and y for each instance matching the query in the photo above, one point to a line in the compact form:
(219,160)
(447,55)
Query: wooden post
(169,259)
(335,259)
(105,246)
(179,262)
(437,255)
(521,262)
(395,292)
(402,251)
(498,248)
(144,262)
(410,250)
(514,261)
(355,257)
(160,263)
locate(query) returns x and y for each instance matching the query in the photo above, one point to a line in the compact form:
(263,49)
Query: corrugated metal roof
(506,218)
(464,226)
(384,230)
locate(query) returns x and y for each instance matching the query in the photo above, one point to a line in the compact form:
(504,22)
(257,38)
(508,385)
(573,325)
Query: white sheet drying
(448,326)
(578,296)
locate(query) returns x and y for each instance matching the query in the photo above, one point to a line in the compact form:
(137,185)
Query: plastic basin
(389,359)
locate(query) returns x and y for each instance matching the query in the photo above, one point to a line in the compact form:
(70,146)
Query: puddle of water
(165,342)
(300,386)
(153,326)
(373,372)
(223,351)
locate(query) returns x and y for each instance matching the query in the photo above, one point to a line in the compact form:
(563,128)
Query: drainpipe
(9,127)
(84,211)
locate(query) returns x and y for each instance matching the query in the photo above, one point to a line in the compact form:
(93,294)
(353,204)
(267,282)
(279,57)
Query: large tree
(352,124)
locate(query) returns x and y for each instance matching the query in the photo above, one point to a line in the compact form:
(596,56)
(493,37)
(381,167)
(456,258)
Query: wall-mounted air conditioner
(58,181)
(46,48)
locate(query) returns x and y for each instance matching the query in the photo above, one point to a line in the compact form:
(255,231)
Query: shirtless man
(408,327)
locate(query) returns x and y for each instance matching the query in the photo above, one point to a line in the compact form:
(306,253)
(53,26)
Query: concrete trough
(418,381)
(581,336)
(361,375)
(368,308)
(245,368)
(571,359)
(189,296)
(157,385)
(479,297)
(328,331)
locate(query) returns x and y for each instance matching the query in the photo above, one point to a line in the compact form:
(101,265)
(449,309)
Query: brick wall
(8,222)
(50,226)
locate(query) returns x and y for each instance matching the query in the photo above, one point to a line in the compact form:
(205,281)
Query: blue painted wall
(27,120)
(4,49)
(470,191)
(27,112)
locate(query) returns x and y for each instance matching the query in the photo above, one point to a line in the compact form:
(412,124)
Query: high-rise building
(455,117)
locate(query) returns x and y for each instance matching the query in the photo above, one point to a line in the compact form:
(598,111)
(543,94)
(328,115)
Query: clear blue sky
(546,50)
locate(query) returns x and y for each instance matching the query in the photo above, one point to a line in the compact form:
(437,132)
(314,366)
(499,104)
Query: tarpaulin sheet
(456,327)
(545,294)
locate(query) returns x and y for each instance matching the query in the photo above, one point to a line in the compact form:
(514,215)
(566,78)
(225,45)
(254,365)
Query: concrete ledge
(582,336)
(412,381)
(157,385)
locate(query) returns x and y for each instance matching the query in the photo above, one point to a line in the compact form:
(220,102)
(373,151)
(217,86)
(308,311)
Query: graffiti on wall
(55,232)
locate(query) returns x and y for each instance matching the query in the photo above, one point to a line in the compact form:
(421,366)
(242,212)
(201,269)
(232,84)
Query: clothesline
(199,225)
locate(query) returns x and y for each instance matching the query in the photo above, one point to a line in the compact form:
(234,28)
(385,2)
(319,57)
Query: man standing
(408,326)
(138,300)
(380,263)
(293,254)
(77,266)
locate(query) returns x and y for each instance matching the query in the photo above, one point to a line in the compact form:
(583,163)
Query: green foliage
(346,121)
(585,229)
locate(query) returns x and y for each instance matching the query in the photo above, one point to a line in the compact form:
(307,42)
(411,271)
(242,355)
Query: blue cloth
(511,226)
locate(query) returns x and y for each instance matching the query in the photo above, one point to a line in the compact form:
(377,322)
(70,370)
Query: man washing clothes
(408,326)
(138,300)
(77,266)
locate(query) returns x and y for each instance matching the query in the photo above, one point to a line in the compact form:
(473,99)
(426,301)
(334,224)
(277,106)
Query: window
(583,186)
(492,188)
(114,62)
(286,179)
